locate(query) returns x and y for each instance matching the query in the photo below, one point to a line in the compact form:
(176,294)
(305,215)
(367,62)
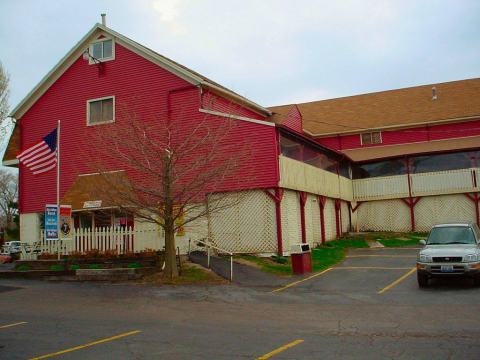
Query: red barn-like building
(394,160)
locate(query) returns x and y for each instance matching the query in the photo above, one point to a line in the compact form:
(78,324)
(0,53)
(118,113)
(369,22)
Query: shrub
(57,267)
(280,259)
(95,266)
(93,253)
(47,256)
(148,253)
(23,267)
(110,254)
(134,265)
(74,267)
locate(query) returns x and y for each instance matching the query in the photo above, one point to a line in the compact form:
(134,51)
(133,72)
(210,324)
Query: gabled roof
(166,63)
(406,107)
(77,51)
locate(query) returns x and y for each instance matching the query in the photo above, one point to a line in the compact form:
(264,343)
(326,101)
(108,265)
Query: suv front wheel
(422,280)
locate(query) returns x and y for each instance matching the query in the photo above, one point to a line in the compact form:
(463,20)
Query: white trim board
(236,117)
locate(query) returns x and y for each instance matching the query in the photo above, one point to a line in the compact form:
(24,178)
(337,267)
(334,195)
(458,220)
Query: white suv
(450,250)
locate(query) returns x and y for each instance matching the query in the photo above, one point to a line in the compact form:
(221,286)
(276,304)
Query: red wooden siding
(143,88)
(405,136)
(293,120)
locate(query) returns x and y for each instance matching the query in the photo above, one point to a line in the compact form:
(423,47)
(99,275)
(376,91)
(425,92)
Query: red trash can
(301,258)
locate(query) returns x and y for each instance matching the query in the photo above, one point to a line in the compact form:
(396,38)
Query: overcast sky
(271,51)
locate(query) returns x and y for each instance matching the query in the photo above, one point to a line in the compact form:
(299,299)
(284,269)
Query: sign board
(65,222)
(51,222)
(92,204)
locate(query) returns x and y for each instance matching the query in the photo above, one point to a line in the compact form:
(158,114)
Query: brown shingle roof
(95,187)
(379,152)
(402,107)
(13,146)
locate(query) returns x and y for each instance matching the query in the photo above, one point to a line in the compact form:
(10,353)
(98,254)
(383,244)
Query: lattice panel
(433,210)
(384,215)
(291,231)
(248,226)
(345,217)
(330,225)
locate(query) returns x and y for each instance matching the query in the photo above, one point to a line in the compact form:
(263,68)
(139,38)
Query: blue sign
(51,222)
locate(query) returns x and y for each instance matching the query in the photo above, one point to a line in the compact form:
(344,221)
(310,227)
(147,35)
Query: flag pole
(58,189)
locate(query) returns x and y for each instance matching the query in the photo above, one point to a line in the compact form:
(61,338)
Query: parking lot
(369,306)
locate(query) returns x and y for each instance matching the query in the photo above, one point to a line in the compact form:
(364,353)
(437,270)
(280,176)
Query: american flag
(41,157)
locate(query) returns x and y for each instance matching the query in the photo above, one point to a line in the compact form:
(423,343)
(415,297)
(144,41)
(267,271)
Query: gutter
(237,97)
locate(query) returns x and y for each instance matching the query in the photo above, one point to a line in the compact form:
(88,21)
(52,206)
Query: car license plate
(446,268)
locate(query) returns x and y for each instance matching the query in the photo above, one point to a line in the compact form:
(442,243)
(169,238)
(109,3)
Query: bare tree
(172,164)
(8,197)
(4,93)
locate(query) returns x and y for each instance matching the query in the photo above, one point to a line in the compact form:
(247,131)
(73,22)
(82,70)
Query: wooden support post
(411,202)
(277,198)
(322,200)
(303,201)
(338,206)
(475,198)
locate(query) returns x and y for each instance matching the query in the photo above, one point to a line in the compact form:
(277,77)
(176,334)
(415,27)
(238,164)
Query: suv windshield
(451,235)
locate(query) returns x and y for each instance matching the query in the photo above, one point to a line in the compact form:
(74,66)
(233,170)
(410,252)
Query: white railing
(208,244)
(422,184)
(385,187)
(115,239)
(443,182)
(299,176)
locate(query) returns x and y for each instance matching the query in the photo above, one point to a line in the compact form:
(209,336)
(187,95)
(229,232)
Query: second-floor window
(101,111)
(102,50)
(371,138)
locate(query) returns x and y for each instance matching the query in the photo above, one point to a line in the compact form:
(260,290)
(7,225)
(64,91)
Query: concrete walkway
(243,275)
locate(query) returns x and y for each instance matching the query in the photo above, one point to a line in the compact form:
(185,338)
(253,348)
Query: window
(308,154)
(102,50)
(101,111)
(371,138)
(380,168)
(441,162)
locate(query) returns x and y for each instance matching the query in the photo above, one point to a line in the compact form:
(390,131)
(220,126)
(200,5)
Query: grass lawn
(399,239)
(333,252)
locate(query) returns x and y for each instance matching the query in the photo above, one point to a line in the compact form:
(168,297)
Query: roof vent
(434,93)
(104,19)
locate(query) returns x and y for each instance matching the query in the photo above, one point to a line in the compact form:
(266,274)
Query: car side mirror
(423,242)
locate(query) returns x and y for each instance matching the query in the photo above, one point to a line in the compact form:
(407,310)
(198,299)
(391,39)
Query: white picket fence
(119,240)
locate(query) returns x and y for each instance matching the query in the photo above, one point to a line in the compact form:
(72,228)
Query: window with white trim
(371,138)
(102,50)
(101,111)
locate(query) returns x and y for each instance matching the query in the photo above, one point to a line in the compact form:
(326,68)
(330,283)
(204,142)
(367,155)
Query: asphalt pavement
(344,313)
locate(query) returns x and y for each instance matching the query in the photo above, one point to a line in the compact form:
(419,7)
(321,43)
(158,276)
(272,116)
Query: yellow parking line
(388,256)
(14,324)
(398,281)
(280,349)
(86,345)
(300,281)
(370,268)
